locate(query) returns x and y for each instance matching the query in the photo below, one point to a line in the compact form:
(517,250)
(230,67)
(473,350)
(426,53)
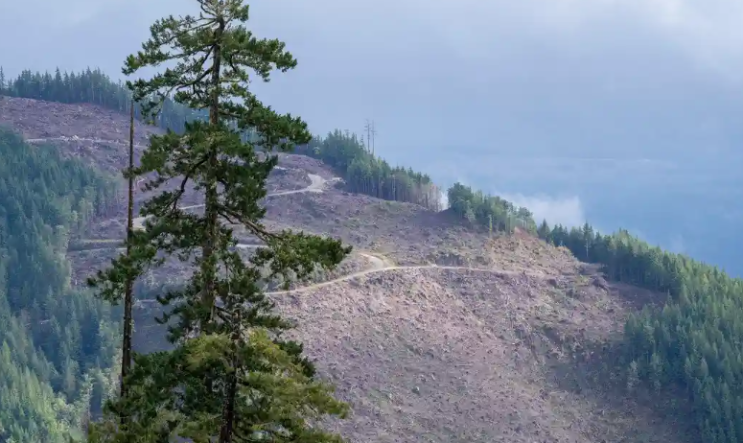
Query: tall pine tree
(230,375)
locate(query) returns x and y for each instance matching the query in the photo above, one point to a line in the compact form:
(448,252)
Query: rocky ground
(434,331)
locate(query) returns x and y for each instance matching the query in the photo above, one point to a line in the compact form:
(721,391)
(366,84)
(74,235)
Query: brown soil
(521,349)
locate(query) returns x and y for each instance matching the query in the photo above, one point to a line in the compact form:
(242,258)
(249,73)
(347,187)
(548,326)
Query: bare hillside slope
(432,330)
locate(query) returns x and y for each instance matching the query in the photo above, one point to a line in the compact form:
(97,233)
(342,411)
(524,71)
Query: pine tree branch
(203,75)
(182,188)
(255,229)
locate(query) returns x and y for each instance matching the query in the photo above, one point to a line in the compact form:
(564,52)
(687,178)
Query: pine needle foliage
(230,376)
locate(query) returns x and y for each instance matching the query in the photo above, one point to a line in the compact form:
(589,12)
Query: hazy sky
(631,79)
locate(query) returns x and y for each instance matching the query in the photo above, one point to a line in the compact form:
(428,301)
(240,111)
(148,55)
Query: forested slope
(694,342)
(55,343)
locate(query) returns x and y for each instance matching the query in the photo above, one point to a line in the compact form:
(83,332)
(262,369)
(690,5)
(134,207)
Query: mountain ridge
(561,304)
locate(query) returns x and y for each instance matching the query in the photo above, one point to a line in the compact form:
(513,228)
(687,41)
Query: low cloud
(444,200)
(563,210)
(566,211)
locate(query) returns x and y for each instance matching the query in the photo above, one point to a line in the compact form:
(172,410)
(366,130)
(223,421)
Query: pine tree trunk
(228,409)
(210,206)
(208,267)
(126,354)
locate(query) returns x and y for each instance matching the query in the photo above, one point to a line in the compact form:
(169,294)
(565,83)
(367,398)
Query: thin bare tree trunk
(126,354)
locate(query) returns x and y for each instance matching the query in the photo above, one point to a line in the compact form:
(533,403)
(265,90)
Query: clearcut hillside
(434,330)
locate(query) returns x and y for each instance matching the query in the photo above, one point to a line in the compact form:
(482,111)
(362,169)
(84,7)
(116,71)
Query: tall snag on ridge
(119,279)
(230,376)
(126,346)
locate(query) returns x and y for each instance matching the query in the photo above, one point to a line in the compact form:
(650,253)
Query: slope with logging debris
(433,330)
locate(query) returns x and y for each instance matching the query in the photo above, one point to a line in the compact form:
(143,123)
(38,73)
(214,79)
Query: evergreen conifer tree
(230,375)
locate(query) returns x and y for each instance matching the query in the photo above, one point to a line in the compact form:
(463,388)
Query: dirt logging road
(378,263)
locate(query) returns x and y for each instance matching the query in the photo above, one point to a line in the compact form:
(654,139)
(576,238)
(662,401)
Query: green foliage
(694,341)
(56,344)
(229,376)
(489,211)
(278,396)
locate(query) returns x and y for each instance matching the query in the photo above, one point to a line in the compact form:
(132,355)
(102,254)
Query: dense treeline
(94,87)
(56,344)
(694,342)
(490,211)
(366,174)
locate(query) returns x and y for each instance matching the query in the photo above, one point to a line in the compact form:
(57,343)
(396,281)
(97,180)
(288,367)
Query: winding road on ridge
(378,263)
(75,138)
(317,185)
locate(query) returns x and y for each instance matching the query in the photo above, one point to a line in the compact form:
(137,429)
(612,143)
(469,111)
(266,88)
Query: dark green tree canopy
(57,344)
(693,341)
(230,376)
